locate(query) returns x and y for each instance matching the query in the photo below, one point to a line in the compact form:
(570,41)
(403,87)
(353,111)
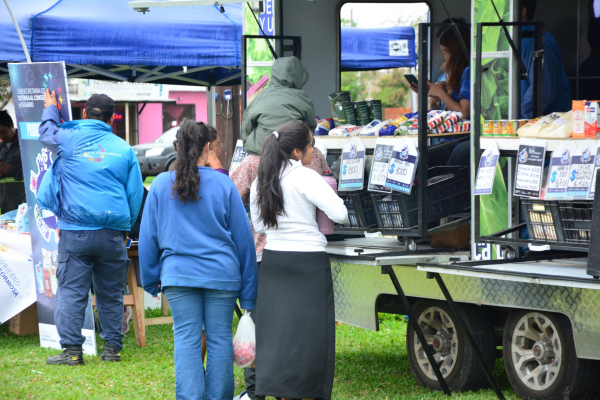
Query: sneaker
(127,314)
(110,353)
(72,355)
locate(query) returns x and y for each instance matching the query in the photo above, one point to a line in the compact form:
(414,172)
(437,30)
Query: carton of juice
(591,118)
(578,119)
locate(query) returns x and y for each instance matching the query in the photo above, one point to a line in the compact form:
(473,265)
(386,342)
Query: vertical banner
(29,83)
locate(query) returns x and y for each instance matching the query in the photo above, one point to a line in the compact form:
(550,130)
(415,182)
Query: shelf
(338,142)
(512,144)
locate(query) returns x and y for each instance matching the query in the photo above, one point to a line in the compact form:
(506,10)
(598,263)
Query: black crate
(445,197)
(543,220)
(576,220)
(361,213)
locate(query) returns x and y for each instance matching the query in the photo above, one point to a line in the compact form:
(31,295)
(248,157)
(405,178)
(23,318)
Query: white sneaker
(242,396)
(127,314)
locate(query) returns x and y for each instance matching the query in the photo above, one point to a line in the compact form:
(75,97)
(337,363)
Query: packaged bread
(536,129)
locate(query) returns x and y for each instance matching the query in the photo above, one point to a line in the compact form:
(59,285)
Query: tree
(5,93)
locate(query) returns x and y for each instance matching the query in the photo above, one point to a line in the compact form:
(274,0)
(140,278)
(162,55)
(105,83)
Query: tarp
(383,48)
(108,34)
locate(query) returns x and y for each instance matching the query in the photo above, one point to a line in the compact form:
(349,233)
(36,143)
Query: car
(157,157)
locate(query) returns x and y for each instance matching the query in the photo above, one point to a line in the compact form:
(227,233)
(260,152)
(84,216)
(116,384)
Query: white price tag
(402,166)
(381,159)
(487,170)
(238,156)
(530,167)
(352,168)
(582,169)
(558,173)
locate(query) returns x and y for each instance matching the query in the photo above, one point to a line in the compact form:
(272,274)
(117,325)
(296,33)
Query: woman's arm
(148,245)
(463,105)
(241,234)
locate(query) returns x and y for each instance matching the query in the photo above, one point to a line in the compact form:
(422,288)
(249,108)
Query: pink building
(155,118)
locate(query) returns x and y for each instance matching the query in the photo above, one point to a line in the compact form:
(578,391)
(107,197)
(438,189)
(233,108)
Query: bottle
(323,221)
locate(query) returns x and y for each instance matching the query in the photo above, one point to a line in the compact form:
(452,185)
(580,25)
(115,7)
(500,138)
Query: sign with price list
(381,159)
(487,170)
(530,167)
(352,169)
(558,173)
(402,166)
(582,169)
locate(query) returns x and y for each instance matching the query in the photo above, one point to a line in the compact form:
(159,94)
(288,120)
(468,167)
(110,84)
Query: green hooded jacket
(282,101)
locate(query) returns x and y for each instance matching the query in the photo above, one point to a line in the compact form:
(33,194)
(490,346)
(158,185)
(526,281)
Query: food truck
(531,300)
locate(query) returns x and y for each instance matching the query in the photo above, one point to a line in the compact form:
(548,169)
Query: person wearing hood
(282,101)
(95,189)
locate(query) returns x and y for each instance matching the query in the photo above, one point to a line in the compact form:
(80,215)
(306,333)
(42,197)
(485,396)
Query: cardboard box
(26,322)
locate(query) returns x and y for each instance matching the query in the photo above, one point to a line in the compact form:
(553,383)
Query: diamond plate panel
(356,288)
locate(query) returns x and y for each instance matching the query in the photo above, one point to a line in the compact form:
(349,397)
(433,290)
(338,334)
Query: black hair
(274,157)
(96,113)
(212,134)
(191,139)
(441,29)
(530,5)
(6,120)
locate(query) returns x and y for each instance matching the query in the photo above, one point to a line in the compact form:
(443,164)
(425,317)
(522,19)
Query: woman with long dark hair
(454,94)
(196,246)
(295,322)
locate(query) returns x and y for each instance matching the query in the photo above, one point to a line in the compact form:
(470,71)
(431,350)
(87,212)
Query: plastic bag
(344,130)
(244,342)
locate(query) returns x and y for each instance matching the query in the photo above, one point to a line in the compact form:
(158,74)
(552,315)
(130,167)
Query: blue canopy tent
(383,48)
(105,39)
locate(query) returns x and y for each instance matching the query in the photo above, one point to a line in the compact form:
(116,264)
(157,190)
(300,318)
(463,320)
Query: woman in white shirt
(295,324)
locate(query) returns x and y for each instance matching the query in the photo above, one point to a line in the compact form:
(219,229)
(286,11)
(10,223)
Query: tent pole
(18,31)
(127,138)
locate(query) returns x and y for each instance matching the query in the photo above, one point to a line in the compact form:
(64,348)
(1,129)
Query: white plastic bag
(244,342)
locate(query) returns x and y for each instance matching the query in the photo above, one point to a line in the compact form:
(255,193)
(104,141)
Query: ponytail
(191,140)
(274,158)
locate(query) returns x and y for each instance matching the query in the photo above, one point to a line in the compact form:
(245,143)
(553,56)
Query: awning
(383,48)
(108,40)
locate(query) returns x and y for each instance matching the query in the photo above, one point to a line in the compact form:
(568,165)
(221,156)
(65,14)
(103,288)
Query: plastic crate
(445,197)
(361,213)
(543,220)
(576,220)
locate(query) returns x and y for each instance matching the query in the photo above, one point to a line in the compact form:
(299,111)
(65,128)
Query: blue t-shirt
(556,89)
(464,90)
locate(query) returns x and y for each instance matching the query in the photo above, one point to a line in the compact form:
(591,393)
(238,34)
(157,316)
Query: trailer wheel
(541,361)
(456,360)
(410,245)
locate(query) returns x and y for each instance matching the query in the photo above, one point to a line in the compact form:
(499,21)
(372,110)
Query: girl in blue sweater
(196,246)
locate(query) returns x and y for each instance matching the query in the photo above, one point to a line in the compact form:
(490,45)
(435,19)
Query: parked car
(156,157)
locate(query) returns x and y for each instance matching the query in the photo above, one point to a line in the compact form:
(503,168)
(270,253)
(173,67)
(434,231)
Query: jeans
(193,308)
(97,256)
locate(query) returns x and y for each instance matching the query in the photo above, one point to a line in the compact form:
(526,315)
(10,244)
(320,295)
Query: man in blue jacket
(95,189)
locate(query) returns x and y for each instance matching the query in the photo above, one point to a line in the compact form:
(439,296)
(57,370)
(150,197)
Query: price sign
(402,166)
(379,167)
(582,169)
(592,190)
(353,166)
(558,173)
(530,167)
(487,170)
(238,156)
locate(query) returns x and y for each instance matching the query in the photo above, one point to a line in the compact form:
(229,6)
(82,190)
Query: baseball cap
(100,106)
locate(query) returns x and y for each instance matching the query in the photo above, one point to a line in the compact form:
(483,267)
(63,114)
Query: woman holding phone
(295,322)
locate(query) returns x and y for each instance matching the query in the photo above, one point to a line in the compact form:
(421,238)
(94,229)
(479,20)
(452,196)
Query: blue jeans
(193,308)
(97,256)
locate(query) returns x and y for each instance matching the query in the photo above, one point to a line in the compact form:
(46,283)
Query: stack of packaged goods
(437,122)
(351,118)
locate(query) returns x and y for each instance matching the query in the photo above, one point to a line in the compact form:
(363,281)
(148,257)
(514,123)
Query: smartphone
(411,79)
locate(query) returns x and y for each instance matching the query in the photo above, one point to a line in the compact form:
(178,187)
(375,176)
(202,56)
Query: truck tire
(457,361)
(541,361)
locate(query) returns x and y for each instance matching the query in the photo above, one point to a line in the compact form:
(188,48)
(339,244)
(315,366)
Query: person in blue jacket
(95,189)
(556,91)
(196,246)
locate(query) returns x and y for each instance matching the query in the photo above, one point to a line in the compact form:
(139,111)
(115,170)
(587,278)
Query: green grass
(369,365)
